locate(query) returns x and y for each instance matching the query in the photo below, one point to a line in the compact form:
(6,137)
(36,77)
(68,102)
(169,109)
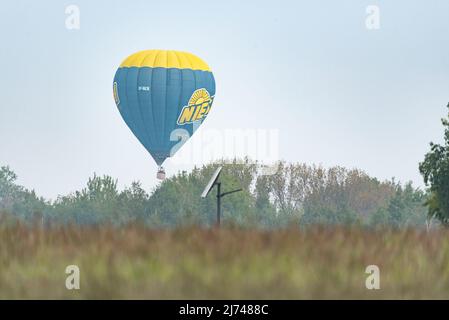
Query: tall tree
(435,170)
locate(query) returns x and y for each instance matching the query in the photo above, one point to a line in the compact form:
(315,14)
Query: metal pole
(218,203)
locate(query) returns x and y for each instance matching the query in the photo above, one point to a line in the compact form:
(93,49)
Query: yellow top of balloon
(165,59)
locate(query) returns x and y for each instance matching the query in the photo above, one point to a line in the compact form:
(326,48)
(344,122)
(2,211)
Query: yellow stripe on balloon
(165,59)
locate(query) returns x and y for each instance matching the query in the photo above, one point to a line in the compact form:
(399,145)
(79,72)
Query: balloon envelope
(163,96)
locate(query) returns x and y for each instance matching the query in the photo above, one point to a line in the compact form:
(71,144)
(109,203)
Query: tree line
(290,194)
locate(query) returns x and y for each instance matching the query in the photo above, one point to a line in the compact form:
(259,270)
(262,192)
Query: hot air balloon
(163,96)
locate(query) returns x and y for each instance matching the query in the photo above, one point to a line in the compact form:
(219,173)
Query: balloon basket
(160,174)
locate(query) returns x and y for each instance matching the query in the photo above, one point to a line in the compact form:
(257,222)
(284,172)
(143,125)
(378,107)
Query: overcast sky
(335,91)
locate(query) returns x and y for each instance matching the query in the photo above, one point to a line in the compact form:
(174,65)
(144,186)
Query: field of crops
(135,262)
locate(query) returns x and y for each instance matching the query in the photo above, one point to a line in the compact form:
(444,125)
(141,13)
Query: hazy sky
(337,92)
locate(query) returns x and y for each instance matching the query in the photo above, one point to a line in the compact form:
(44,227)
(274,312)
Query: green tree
(19,202)
(134,202)
(8,188)
(435,170)
(98,202)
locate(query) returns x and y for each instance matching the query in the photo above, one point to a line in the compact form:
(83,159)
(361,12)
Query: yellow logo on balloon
(198,107)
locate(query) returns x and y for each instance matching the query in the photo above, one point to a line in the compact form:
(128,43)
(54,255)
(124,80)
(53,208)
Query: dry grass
(139,263)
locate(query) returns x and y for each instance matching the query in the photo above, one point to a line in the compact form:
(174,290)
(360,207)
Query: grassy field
(139,263)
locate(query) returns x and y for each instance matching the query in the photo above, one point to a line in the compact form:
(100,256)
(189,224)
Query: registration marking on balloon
(197,108)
